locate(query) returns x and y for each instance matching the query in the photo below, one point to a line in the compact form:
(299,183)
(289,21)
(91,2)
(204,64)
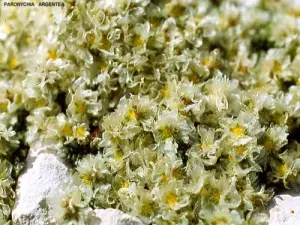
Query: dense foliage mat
(177,112)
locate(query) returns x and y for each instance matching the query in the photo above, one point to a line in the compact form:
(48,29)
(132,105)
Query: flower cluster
(175,111)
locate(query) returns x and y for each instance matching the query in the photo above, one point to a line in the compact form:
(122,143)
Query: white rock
(116,217)
(285,210)
(249,3)
(44,175)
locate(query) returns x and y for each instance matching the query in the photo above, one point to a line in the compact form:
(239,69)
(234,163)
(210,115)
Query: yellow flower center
(282,170)
(206,62)
(118,154)
(105,43)
(164,92)
(80,108)
(219,220)
(205,145)
(171,199)
(3,106)
(167,132)
(238,131)
(198,146)
(277,66)
(184,113)
(132,115)
(115,140)
(243,69)
(203,191)
(41,103)
(146,209)
(52,54)
(9,95)
(194,78)
(91,38)
(176,10)
(268,144)
(86,178)
(65,203)
(18,99)
(138,40)
(216,196)
(294,12)
(125,184)
(80,132)
(198,19)
(67,130)
(13,62)
(176,173)
(260,86)
(165,179)
(154,22)
(240,149)
(102,65)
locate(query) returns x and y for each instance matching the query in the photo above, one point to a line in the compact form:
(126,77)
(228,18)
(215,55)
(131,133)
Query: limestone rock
(285,210)
(116,217)
(43,176)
